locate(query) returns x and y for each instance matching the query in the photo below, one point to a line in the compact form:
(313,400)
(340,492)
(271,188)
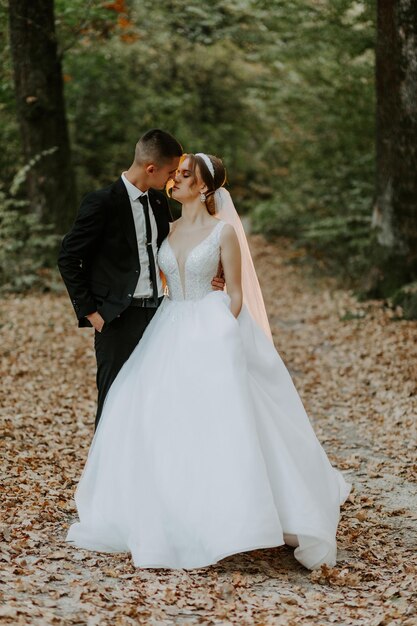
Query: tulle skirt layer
(204,449)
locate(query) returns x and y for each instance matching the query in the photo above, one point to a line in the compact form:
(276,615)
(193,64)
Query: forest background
(285,92)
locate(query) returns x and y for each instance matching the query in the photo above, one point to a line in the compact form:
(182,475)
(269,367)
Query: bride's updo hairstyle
(207,178)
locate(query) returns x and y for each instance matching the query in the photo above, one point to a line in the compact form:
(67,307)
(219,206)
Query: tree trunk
(41,111)
(395,210)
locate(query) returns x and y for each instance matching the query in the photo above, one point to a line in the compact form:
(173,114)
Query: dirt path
(355,368)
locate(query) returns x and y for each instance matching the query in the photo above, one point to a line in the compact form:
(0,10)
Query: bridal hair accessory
(207,161)
(252,294)
(203,197)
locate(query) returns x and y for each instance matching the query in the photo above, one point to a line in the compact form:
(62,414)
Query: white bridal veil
(252,294)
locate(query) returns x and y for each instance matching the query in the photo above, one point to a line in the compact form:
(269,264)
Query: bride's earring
(202,197)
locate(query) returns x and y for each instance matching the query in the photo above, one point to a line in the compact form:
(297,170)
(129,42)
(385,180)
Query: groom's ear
(150,169)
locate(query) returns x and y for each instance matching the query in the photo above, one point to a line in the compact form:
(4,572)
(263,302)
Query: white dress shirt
(144,285)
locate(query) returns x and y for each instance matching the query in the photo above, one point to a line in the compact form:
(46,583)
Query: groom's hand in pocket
(96,320)
(218,283)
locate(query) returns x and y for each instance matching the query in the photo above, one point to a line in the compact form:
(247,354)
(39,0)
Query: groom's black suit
(99,263)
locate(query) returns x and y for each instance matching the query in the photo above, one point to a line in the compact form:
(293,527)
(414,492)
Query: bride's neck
(194,214)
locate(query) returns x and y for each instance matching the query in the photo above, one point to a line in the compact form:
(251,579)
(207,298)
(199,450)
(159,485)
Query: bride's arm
(231,261)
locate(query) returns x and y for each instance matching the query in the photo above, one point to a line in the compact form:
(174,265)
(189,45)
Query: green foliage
(21,175)
(283,91)
(406,298)
(27,247)
(323,195)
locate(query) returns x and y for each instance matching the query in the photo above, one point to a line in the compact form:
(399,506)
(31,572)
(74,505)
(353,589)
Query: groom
(108,260)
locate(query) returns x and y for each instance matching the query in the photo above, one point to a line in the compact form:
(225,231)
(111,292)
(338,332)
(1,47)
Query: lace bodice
(199,269)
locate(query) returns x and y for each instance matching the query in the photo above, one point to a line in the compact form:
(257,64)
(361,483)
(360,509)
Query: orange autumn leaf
(124,22)
(129,38)
(119,6)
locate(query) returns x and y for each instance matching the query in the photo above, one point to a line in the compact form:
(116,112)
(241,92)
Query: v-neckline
(188,255)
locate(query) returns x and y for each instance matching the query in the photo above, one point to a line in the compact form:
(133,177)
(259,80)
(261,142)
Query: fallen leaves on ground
(354,365)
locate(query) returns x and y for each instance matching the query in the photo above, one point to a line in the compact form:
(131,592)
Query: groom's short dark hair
(157,146)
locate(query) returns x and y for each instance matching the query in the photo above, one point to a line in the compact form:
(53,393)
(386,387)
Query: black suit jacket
(99,259)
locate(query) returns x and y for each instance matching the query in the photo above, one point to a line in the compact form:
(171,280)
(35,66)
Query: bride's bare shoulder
(228,233)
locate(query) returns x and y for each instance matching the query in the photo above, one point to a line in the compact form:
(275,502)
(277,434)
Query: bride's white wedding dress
(204,448)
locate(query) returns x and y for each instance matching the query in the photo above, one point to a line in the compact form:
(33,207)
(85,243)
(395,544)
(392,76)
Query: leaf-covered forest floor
(354,365)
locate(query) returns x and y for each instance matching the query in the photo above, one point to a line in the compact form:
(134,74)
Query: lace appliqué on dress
(199,269)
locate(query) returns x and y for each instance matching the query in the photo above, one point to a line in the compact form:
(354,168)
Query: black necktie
(152,270)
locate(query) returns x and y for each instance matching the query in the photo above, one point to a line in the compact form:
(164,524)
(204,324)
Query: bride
(204,448)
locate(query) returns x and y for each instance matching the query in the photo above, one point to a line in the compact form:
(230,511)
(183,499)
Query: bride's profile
(204,448)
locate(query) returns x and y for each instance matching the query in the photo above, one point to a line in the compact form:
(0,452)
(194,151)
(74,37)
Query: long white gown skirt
(204,449)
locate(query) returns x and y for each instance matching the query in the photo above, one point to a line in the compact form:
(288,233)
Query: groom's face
(159,175)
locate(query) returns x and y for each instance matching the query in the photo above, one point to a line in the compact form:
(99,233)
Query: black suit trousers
(114,345)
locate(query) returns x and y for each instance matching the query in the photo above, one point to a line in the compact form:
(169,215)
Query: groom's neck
(138,177)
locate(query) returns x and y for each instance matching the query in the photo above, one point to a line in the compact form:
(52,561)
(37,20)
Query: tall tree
(41,111)
(395,209)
